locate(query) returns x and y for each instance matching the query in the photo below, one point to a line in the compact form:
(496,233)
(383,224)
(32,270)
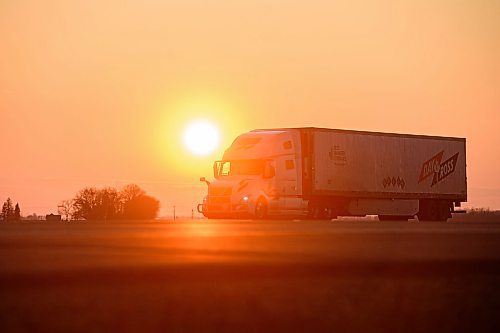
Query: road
(248,276)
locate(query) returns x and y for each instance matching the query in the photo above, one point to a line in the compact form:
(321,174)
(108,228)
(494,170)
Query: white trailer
(324,173)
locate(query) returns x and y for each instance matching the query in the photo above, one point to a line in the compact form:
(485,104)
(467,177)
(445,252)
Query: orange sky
(98,92)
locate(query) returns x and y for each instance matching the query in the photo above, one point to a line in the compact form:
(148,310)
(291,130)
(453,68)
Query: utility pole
(174,212)
(192,213)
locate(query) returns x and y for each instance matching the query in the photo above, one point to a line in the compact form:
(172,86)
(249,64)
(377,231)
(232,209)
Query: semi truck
(320,173)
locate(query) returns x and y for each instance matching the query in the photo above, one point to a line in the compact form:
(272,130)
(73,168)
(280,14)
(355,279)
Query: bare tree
(65,209)
(85,203)
(130,192)
(107,203)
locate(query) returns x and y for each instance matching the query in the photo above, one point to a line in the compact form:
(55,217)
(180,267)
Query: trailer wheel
(429,211)
(433,211)
(261,209)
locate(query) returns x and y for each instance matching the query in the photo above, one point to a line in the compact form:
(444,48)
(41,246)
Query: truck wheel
(261,209)
(326,212)
(313,210)
(444,211)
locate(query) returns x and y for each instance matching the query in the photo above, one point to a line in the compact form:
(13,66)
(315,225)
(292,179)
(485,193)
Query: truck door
(287,183)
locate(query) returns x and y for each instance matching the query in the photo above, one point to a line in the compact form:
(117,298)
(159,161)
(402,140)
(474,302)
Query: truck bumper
(224,210)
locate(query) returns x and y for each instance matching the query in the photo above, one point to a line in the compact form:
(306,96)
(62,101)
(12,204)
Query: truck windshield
(239,167)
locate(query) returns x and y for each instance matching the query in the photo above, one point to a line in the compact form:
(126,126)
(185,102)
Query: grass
(477,215)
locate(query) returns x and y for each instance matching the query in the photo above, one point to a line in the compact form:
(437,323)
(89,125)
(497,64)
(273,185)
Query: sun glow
(177,139)
(201,137)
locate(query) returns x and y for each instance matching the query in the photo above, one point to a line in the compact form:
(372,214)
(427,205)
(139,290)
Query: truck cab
(258,176)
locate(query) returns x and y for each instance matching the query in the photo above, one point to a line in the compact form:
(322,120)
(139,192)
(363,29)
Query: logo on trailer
(439,171)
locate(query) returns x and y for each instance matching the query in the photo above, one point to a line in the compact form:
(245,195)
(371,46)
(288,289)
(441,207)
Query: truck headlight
(245,199)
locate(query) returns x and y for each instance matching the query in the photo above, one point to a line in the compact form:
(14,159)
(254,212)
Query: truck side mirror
(216,170)
(203,179)
(269,171)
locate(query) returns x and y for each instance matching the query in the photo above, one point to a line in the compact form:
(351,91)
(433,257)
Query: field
(248,276)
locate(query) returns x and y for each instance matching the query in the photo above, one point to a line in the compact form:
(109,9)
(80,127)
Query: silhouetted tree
(143,207)
(17,213)
(107,203)
(65,209)
(7,210)
(85,203)
(130,192)
(3,216)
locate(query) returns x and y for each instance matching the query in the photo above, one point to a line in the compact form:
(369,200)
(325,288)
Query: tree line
(9,212)
(90,203)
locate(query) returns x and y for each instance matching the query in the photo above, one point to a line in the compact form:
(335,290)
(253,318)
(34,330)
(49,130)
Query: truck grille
(217,200)
(219,191)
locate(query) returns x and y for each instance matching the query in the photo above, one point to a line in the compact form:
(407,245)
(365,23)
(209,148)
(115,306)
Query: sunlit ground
(249,276)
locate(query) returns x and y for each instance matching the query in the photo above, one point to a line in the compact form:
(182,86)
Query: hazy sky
(97,93)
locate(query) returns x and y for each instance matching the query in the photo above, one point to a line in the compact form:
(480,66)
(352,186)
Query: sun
(201,137)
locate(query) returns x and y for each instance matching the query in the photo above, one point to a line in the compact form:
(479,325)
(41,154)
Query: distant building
(52,217)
